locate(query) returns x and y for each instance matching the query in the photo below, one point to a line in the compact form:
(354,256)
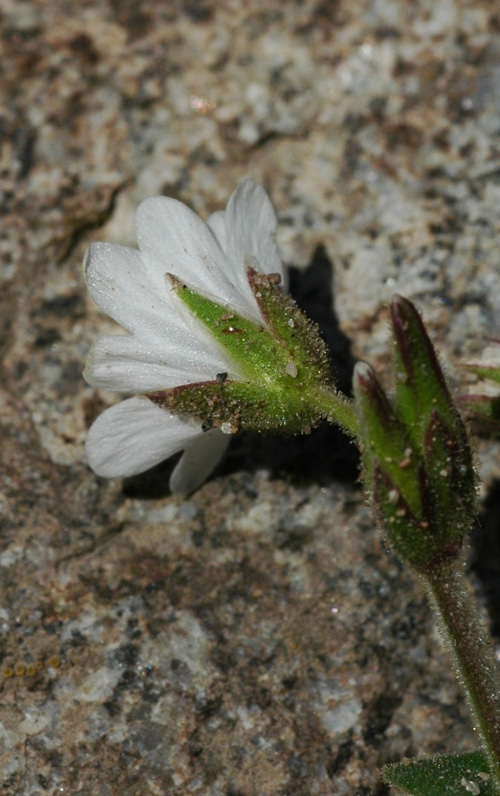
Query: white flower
(166,346)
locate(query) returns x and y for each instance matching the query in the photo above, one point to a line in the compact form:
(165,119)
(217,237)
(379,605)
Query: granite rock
(256,639)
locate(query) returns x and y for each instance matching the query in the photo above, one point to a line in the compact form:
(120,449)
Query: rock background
(256,639)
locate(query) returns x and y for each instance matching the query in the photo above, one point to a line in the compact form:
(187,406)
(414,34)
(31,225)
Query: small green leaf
(451,775)
(490,372)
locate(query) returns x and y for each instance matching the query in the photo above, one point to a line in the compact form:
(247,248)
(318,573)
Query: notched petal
(134,436)
(198,461)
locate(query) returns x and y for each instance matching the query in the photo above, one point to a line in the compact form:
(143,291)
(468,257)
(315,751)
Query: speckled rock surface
(256,639)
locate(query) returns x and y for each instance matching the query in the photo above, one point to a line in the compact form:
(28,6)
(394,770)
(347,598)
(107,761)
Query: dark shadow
(485,559)
(323,456)
(153,484)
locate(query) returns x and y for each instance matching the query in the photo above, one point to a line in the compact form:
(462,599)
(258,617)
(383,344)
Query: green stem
(338,409)
(471,649)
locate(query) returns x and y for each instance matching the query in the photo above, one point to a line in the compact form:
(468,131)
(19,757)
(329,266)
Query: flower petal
(217,226)
(200,458)
(173,239)
(124,289)
(125,364)
(251,226)
(133,436)
(116,276)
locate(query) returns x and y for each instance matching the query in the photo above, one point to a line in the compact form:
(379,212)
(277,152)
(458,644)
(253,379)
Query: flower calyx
(276,364)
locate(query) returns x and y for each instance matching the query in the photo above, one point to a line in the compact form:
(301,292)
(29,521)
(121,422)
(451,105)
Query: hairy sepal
(282,359)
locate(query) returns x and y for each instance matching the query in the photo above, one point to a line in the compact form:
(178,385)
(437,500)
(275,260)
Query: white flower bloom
(166,346)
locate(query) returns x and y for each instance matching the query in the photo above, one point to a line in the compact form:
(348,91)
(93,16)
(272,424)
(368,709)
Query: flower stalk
(472,653)
(338,409)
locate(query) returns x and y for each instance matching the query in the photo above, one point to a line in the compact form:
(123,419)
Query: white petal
(201,456)
(120,284)
(251,225)
(125,290)
(133,436)
(125,364)
(173,239)
(217,225)
(246,232)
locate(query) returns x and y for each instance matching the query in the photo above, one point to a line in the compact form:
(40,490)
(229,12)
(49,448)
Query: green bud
(283,359)
(416,459)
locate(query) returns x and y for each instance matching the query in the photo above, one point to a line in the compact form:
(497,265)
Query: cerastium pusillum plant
(215,346)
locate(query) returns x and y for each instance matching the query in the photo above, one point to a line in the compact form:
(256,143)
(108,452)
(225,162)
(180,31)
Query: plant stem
(471,649)
(338,409)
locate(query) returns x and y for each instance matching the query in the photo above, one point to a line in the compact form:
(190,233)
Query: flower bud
(416,459)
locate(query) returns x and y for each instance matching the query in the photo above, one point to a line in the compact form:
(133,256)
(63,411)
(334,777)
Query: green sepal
(282,362)
(420,386)
(403,528)
(239,406)
(415,536)
(299,336)
(247,343)
(276,352)
(385,442)
(464,774)
(448,464)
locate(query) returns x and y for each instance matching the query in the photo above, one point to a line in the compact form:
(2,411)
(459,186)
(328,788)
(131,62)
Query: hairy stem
(471,649)
(339,410)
